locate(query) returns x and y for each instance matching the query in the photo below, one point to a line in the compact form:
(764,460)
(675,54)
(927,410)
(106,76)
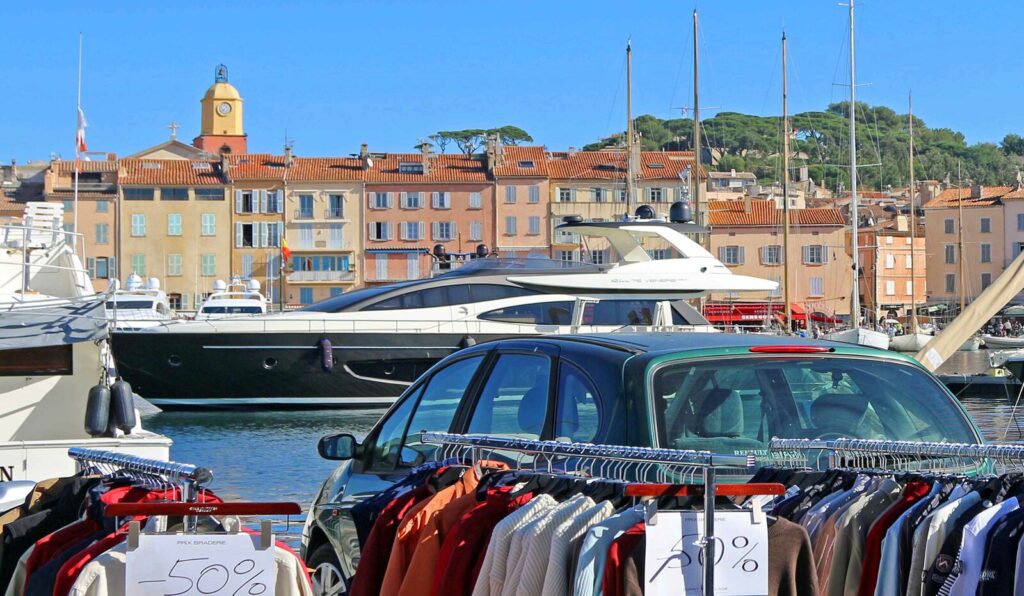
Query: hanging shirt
(891,577)
(376,551)
(366,512)
(1001,546)
(494,567)
(972,548)
(935,577)
(462,554)
(618,552)
(851,531)
(557,578)
(407,535)
(868,576)
(926,541)
(594,551)
(528,578)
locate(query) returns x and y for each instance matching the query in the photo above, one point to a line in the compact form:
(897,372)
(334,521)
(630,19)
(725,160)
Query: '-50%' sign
(203,564)
(674,557)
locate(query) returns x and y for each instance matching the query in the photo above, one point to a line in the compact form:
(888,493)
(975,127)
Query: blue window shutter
(238,201)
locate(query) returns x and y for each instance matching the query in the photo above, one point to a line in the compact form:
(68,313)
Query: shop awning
(749,313)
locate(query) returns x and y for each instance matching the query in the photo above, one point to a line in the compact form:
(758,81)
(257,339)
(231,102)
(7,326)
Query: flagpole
(79,132)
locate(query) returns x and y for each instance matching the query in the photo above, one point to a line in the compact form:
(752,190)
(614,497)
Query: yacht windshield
(340,303)
(232,310)
(735,405)
(129,304)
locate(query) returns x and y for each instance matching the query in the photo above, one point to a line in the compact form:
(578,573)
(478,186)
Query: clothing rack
(705,461)
(863,450)
(172,471)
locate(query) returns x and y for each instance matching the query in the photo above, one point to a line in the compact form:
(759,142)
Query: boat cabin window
(450,295)
(130,304)
(537,313)
(343,302)
(30,362)
(232,310)
(620,312)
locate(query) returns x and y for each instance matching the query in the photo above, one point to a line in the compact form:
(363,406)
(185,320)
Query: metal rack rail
(705,461)
(864,450)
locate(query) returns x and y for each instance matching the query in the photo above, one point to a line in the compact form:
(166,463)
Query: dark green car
(717,392)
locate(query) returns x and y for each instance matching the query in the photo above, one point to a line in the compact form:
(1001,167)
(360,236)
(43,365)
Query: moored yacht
(363,348)
(138,304)
(235,299)
(55,361)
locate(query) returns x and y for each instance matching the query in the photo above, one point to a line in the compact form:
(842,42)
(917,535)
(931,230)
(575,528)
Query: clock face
(223,108)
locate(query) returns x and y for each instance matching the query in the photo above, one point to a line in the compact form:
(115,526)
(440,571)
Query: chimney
(13,172)
(748,204)
(495,152)
(225,165)
(364,156)
(804,175)
(976,190)
(289,159)
(732,173)
(572,150)
(426,156)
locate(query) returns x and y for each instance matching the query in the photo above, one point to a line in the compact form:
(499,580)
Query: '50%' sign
(204,564)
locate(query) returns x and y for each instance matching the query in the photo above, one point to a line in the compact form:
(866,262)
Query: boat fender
(122,406)
(326,355)
(467,342)
(97,410)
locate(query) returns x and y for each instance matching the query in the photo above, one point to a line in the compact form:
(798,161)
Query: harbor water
(272,455)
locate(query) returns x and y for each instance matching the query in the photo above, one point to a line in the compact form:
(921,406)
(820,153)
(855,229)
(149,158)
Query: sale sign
(201,564)
(674,559)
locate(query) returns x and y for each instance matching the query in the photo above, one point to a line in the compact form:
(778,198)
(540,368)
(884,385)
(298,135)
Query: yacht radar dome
(439,251)
(253,285)
(134,282)
(644,212)
(219,285)
(482,251)
(680,212)
(572,219)
(153,284)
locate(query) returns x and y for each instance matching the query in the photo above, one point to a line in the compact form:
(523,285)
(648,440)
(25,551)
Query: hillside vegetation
(821,142)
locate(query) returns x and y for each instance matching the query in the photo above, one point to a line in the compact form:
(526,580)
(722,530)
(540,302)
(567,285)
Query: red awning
(750,313)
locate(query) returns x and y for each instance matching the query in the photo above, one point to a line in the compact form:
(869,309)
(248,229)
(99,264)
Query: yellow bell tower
(221,127)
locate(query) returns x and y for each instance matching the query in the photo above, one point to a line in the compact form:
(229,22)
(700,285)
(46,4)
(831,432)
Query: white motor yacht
(363,348)
(138,305)
(54,356)
(235,299)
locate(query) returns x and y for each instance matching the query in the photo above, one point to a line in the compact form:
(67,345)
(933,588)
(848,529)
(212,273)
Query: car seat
(533,409)
(711,420)
(839,413)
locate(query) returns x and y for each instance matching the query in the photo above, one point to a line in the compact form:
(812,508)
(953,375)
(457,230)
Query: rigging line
(684,58)
(1013,413)
(615,97)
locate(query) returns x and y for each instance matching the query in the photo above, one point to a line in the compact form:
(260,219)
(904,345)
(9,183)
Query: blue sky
(335,74)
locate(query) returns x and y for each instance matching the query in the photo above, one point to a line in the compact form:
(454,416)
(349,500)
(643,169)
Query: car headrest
(533,409)
(839,411)
(717,413)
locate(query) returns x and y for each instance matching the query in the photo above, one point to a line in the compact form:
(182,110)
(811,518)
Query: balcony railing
(334,213)
(303,214)
(310,276)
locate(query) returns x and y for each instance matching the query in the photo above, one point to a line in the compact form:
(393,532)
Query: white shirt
(557,579)
(932,532)
(493,568)
(528,578)
(594,551)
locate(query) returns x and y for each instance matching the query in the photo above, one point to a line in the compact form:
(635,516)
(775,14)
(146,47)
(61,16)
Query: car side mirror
(338,447)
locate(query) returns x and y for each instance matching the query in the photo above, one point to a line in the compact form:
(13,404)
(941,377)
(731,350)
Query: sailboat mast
(630,134)
(913,220)
(960,233)
(855,249)
(785,190)
(698,212)
(78,148)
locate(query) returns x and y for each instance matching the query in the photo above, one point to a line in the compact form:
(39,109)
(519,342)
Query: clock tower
(221,130)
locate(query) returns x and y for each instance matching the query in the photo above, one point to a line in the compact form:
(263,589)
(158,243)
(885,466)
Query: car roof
(676,341)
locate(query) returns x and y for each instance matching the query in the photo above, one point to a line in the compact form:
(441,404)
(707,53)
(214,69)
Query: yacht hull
(864,337)
(280,370)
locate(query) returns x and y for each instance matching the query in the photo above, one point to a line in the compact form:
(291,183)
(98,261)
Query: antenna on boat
(630,134)
(913,215)
(785,191)
(698,213)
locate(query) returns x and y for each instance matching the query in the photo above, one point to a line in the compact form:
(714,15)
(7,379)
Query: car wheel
(327,577)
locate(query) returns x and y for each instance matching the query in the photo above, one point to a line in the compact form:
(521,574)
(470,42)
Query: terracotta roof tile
(444,168)
(170,171)
(951,197)
(611,165)
(326,168)
(67,166)
(515,155)
(9,206)
(256,166)
(765,213)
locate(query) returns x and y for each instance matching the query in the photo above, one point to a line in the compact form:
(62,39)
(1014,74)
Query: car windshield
(736,405)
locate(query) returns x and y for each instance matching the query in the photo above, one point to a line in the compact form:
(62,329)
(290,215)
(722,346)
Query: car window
(514,401)
(383,453)
(437,406)
(577,416)
(737,405)
(542,313)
